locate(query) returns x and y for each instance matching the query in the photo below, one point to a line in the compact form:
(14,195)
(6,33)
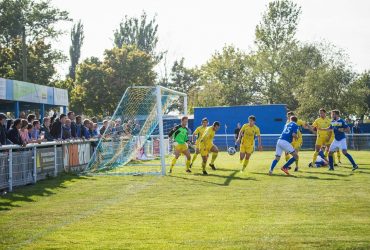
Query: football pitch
(314,208)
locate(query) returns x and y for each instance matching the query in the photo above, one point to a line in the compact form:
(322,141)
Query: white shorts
(283,145)
(341,145)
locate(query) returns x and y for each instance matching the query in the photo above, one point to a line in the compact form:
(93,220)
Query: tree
(77,37)
(231,70)
(181,79)
(326,87)
(100,84)
(140,32)
(41,60)
(275,36)
(28,21)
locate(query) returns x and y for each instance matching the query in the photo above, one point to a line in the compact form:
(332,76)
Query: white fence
(25,165)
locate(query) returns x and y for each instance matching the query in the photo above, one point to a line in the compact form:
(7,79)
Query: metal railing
(26,165)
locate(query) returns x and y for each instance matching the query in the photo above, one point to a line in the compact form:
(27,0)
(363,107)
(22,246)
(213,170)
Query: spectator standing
(35,134)
(236,135)
(79,127)
(96,133)
(13,133)
(67,131)
(71,116)
(85,129)
(9,124)
(3,139)
(104,127)
(45,128)
(31,118)
(56,128)
(24,132)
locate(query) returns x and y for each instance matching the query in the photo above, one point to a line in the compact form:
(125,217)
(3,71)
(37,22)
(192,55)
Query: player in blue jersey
(339,127)
(284,144)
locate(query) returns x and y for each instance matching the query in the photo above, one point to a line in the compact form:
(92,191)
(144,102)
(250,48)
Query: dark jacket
(66,133)
(47,134)
(73,129)
(2,135)
(14,136)
(56,129)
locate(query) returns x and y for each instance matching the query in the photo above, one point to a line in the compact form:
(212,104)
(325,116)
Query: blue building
(269,118)
(17,96)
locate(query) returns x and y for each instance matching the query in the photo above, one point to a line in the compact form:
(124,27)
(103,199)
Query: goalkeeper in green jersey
(181,141)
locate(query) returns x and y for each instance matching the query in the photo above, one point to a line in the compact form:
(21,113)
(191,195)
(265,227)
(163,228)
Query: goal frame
(159,92)
(160,121)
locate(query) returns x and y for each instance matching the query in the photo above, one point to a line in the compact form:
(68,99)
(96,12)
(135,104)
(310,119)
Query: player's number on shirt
(287,130)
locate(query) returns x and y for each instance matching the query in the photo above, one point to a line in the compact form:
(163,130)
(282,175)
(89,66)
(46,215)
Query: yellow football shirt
(249,133)
(321,123)
(208,135)
(199,131)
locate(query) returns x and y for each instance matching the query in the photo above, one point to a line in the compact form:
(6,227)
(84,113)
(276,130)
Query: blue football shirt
(289,129)
(335,125)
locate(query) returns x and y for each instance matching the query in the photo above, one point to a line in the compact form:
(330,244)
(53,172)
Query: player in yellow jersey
(207,146)
(322,138)
(198,133)
(246,136)
(297,143)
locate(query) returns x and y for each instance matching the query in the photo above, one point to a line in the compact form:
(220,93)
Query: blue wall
(270,118)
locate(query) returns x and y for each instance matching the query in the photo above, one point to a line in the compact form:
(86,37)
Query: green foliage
(41,58)
(278,26)
(39,18)
(100,84)
(77,38)
(27,27)
(276,44)
(140,32)
(231,70)
(184,80)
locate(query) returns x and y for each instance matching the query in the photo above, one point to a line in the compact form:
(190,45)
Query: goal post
(136,141)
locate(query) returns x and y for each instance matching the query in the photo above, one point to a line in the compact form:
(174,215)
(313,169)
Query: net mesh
(131,140)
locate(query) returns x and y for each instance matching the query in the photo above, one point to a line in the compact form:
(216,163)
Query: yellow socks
(214,156)
(187,164)
(314,157)
(194,158)
(204,165)
(326,154)
(173,163)
(245,164)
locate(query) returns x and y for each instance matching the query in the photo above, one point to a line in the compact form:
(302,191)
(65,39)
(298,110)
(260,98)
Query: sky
(195,29)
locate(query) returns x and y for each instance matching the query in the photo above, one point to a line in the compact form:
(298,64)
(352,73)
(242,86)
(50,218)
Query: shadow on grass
(41,188)
(228,178)
(328,173)
(293,175)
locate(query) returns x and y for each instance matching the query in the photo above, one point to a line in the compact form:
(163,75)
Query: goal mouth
(135,142)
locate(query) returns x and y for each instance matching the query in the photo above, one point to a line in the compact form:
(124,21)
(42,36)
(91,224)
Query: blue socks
(274,162)
(350,159)
(288,163)
(331,162)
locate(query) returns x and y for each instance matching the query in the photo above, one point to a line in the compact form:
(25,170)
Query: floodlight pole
(160,123)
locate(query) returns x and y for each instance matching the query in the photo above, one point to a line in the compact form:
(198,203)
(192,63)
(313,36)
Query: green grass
(225,210)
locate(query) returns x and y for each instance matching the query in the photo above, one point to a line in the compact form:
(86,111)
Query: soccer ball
(231,150)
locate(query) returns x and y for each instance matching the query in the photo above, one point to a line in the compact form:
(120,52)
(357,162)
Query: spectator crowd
(28,129)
